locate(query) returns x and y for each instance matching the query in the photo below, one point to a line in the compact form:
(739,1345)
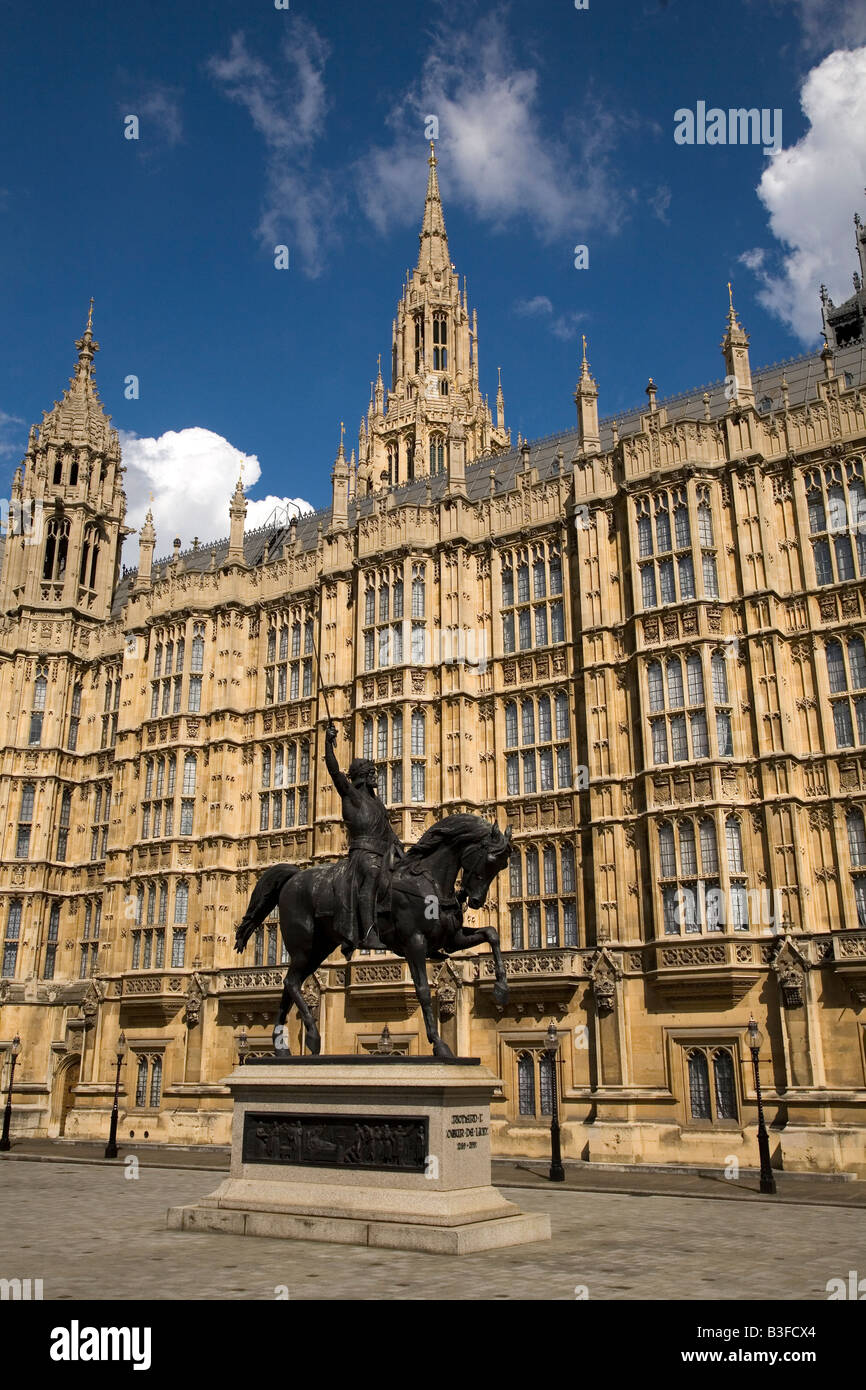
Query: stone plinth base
(392,1152)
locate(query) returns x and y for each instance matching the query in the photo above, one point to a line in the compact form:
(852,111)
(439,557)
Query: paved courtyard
(89,1232)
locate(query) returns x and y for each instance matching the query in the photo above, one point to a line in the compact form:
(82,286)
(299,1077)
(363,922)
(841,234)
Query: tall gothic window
(678,712)
(543,903)
(836,501)
(285,796)
(540,728)
(532,608)
(440,342)
(711,1102)
(846,674)
(25,820)
(12,939)
(56,550)
(37,709)
(668,556)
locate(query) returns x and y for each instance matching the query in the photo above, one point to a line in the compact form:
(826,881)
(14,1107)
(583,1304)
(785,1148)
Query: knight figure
(373,848)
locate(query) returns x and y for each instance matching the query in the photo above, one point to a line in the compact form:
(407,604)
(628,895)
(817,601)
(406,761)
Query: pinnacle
(433,252)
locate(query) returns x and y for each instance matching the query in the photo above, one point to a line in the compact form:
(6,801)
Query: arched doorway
(67,1081)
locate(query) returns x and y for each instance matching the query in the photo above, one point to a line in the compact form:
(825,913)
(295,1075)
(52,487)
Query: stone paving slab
(92,1233)
(821,1190)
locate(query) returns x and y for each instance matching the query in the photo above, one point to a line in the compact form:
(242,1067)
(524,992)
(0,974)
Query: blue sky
(261,126)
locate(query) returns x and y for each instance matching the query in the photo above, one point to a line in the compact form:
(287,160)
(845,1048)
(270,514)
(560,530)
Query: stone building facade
(640,643)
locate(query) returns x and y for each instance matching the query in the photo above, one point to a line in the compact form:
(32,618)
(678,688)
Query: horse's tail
(265,897)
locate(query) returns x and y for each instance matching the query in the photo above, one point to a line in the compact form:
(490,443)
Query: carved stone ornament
(89,1006)
(790,967)
(603,975)
(195,996)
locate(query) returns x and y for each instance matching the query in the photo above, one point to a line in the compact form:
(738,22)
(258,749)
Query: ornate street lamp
(753,1039)
(551,1049)
(385,1045)
(111,1146)
(5,1142)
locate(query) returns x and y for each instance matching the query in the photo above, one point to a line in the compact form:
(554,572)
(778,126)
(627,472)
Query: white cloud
(13,435)
(160,107)
(500,156)
(534,308)
(811,192)
(287,102)
(830,23)
(562,326)
(191,475)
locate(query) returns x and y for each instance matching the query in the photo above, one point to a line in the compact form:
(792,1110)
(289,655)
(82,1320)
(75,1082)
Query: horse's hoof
(441,1049)
(500,994)
(281,1039)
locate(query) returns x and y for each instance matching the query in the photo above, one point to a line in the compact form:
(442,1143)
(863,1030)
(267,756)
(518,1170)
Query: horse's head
(482,862)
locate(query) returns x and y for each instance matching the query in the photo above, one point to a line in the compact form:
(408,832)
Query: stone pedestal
(385,1151)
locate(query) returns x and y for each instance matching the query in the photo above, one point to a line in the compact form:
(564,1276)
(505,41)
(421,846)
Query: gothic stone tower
(435,407)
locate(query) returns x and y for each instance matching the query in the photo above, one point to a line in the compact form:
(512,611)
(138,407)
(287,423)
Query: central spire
(433,251)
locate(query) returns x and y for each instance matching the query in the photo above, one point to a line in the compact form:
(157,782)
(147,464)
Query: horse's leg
(416,955)
(463,939)
(302,968)
(281,1032)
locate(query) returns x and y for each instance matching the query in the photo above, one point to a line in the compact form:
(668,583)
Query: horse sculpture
(420,916)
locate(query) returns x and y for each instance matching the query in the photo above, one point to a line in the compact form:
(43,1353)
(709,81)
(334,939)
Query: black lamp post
(551,1049)
(111,1146)
(5,1142)
(754,1039)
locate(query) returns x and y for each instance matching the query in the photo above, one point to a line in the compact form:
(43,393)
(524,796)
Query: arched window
(725,1087)
(418,733)
(562,729)
(189,766)
(526,1084)
(367,739)
(547,1080)
(856,838)
(37,711)
(56,548)
(155,1083)
(527,719)
(695,679)
(272,644)
(720,680)
(440,341)
(655,687)
(511,725)
(437,453)
(699,1086)
(836,668)
(667,852)
(89,557)
(141,1083)
(734,844)
(382,744)
(688,855)
(515,875)
(181,902)
(568,875)
(532,879)
(709,846)
(550,876)
(675,684)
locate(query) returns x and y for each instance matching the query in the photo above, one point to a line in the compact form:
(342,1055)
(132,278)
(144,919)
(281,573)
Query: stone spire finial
(433,251)
(735,350)
(237,515)
(500,403)
(586,400)
(146,543)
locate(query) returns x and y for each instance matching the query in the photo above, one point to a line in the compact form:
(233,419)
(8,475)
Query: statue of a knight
(373,847)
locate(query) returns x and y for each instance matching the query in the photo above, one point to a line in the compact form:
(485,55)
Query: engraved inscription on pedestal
(337,1141)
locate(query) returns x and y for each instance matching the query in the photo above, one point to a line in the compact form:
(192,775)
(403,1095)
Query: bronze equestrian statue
(379,893)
